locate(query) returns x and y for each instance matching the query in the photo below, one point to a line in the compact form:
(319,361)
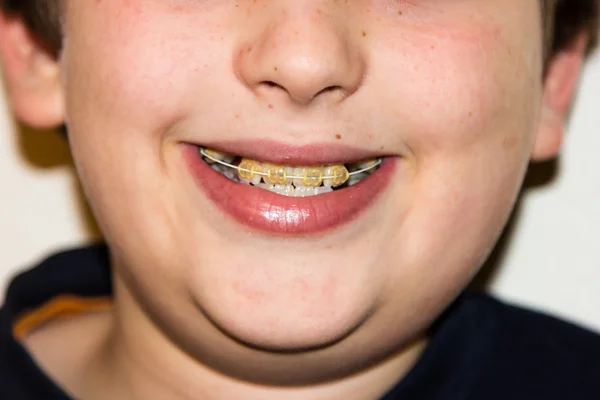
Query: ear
(560,84)
(31,74)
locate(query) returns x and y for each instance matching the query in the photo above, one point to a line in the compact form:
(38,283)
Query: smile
(292,190)
(291,181)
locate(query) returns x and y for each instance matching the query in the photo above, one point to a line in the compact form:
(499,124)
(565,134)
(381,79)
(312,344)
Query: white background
(551,259)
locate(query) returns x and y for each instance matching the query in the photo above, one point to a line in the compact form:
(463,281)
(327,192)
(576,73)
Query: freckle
(249,49)
(382,147)
(271,106)
(338,136)
(399,12)
(364,33)
(275,69)
(237,116)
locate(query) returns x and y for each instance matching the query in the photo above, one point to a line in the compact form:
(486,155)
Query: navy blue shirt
(481,349)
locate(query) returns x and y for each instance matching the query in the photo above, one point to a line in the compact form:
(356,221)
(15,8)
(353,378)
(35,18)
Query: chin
(272,323)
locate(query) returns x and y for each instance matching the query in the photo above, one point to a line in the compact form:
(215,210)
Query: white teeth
(231,174)
(296,188)
(281,189)
(323,190)
(297,172)
(218,168)
(255,179)
(228,158)
(363,165)
(304,191)
(291,191)
(354,179)
(328,183)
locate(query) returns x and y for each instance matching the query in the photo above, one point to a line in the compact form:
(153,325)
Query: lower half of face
(290,177)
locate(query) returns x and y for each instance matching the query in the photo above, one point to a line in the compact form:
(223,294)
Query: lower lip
(273,213)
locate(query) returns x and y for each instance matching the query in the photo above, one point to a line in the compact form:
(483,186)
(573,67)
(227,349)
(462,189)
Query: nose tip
(301,60)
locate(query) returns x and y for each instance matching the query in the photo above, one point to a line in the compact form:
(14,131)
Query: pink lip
(269,212)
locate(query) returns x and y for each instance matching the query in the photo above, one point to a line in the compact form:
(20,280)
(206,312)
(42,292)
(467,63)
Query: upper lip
(276,152)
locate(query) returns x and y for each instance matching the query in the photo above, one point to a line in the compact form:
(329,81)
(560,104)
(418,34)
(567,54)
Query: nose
(300,53)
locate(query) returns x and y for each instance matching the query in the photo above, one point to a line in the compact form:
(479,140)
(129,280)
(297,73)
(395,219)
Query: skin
(454,88)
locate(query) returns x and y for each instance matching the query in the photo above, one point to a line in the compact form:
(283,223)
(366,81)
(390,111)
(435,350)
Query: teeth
(363,165)
(293,181)
(340,175)
(328,182)
(298,172)
(354,179)
(313,176)
(228,158)
(247,169)
(322,190)
(276,174)
(291,191)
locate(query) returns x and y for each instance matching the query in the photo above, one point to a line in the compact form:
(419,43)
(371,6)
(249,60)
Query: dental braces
(341,174)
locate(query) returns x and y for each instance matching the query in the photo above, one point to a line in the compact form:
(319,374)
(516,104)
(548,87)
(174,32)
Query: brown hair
(563,20)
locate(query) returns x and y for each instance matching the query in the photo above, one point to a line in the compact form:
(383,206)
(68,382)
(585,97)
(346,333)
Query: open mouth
(289,180)
(295,190)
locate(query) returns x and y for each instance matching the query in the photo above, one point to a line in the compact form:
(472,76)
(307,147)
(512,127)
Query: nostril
(334,92)
(328,89)
(271,84)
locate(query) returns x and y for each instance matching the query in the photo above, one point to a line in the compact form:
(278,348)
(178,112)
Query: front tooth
(280,189)
(299,173)
(276,174)
(290,190)
(313,176)
(307,191)
(323,190)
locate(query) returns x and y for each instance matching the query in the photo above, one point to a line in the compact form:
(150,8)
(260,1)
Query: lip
(269,212)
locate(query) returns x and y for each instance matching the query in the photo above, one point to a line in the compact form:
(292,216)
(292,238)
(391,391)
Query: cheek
(465,104)
(463,97)
(131,73)
(136,64)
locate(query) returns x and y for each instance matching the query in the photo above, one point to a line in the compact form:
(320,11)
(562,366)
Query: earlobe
(560,85)
(31,75)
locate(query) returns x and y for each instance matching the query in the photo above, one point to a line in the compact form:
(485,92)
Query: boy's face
(450,92)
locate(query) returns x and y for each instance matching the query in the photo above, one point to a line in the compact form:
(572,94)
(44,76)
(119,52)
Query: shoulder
(537,356)
(36,301)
